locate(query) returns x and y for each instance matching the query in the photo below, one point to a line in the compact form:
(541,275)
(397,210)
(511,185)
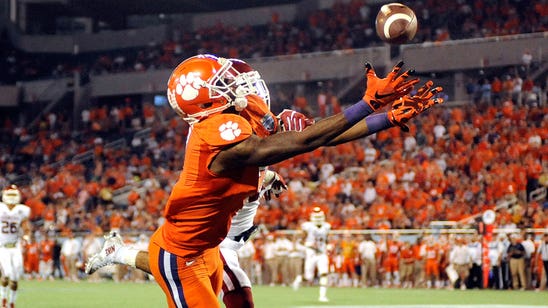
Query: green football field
(61,294)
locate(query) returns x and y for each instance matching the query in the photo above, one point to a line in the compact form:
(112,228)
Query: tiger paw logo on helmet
(230,130)
(188,86)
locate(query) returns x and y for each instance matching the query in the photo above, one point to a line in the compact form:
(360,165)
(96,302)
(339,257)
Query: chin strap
(240,102)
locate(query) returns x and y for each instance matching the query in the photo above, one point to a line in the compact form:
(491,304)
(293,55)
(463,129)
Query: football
(396,23)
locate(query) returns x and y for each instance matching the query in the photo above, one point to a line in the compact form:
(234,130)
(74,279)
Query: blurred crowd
(345,25)
(512,259)
(456,162)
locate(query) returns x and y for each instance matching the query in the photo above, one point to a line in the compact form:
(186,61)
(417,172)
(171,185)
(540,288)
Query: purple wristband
(356,112)
(377,122)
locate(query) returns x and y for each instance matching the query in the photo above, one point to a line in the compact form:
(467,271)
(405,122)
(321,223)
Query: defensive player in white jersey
(236,290)
(13,221)
(316,231)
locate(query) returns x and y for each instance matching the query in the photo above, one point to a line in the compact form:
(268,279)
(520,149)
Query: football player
(13,221)
(236,289)
(432,264)
(391,260)
(224,152)
(46,257)
(315,231)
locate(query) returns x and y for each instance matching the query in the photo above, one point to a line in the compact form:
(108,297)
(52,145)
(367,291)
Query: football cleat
(107,255)
(295,285)
(323,299)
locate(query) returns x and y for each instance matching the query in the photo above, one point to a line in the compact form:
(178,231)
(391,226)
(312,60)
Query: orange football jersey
(201,204)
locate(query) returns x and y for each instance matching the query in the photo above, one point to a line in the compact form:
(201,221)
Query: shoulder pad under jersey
(24,210)
(223,129)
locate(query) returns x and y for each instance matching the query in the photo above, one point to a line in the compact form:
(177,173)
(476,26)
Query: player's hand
(409,106)
(383,91)
(293,121)
(273,184)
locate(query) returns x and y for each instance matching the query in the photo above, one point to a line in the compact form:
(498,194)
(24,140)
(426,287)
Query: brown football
(396,23)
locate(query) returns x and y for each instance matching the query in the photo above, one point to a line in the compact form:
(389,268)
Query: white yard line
(424,306)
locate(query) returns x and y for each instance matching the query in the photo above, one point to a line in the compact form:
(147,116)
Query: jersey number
(8,227)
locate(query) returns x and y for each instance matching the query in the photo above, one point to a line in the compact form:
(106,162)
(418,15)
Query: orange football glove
(383,91)
(409,106)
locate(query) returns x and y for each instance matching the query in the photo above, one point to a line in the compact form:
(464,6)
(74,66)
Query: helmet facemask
(243,80)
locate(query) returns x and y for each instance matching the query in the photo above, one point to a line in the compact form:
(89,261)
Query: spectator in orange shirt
(31,257)
(496,90)
(432,265)
(391,260)
(46,257)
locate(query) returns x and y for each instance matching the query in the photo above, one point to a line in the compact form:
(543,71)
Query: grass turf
(62,294)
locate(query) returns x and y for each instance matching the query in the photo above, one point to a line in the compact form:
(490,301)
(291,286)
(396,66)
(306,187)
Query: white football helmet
(317,216)
(11,195)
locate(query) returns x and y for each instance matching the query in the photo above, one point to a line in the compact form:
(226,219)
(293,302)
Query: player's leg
(141,261)
(403,274)
(354,274)
(363,273)
(308,274)
(323,268)
(236,284)
(395,267)
(437,277)
(5,266)
(114,251)
(419,273)
(42,270)
(12,293)
(13,272)
(49,269)
(429,270)
(387,277)
(373,273)
(4,290)
(350,272)
(187,282)
(164,276)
